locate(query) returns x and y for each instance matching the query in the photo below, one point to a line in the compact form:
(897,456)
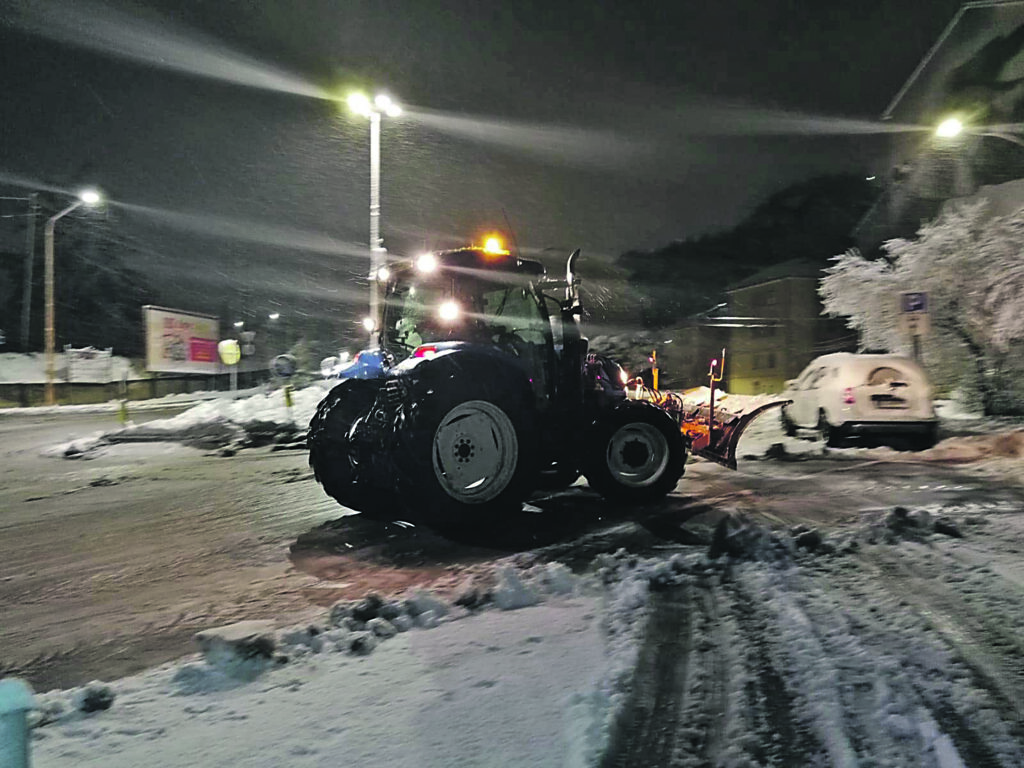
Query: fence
(81,393)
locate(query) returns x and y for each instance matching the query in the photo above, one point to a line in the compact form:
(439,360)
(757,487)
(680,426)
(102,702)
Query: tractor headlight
(448,311)
(426,263)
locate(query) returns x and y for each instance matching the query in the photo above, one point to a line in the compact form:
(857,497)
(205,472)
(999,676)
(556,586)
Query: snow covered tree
(972,267)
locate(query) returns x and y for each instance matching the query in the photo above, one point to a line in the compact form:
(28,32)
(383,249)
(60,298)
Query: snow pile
(259,419)
(365,687)
(31,369)
(267,408)
(700,396)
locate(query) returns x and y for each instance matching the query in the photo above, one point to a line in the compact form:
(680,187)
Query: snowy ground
(886,638)
(884,643)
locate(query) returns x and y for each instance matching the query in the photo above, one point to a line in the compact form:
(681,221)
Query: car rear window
(884,375)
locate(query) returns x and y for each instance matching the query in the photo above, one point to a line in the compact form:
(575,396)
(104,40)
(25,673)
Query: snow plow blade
(718,444)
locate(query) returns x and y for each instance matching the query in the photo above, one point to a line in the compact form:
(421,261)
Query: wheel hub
(637,455)
(475,452)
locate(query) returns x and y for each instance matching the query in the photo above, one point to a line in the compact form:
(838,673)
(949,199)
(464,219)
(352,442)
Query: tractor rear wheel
(637,454)
(469,453)
(329,449)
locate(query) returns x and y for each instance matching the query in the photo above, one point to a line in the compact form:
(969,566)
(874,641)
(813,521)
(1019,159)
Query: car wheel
(637,454)
(468,455)
(329,448)
(925,440)
(831,436)
(787,423)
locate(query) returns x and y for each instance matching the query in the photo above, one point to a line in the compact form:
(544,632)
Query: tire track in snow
(647,730)
(921,702)
(994,655)
(785,741)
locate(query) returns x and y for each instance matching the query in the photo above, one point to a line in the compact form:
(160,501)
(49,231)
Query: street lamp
(381,105)
(952,127)
(949,128)
(89,197)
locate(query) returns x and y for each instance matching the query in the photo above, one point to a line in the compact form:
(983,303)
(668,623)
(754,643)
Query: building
(776,327)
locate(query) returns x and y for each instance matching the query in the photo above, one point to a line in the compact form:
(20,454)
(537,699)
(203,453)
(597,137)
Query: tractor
(489,393)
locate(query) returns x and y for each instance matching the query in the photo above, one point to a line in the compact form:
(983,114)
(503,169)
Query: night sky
(607,126)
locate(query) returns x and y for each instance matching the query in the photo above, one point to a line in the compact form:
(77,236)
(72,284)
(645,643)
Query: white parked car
(867,398)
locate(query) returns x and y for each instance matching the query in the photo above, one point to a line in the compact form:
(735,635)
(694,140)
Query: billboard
(181,342)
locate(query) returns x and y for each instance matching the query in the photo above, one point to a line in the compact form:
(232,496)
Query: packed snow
(433,685)
(841,649)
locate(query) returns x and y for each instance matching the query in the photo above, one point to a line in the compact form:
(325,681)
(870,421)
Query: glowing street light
(89,197)
(426,262)
(952,127)
(949,128)
(382,104)
(448,311)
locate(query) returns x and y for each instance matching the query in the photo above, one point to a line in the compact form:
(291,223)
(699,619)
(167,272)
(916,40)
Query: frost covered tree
(972,267)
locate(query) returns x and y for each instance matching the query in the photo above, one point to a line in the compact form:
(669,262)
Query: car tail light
(849,398)
(427,350)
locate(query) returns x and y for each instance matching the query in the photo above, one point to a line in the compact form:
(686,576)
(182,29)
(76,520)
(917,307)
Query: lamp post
(88,197)
(381,105)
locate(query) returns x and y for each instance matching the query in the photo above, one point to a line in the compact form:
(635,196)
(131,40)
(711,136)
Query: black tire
(831,436)
(636,454)
(468,451)
(787,423)
(925,440)
(328,445)
(557,479)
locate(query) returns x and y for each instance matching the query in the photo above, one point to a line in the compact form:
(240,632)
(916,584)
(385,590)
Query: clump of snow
(94,697)
(557,579)
(511,592)
(382,628)
(81,447)
(423,601)
(362,643)
(741,538)
(242,650)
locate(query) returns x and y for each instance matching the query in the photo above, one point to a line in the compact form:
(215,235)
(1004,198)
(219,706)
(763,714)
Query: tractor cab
(483,298)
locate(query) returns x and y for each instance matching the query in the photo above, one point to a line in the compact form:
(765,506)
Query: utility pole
(30,252)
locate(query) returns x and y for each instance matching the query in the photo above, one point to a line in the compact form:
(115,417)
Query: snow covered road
(817,608)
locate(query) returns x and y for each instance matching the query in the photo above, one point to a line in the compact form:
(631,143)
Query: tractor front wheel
(637,454)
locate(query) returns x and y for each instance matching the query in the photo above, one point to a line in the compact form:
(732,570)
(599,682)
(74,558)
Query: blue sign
(914,302)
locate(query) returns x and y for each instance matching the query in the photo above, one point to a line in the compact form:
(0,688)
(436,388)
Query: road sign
(914,302)
(914,318)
